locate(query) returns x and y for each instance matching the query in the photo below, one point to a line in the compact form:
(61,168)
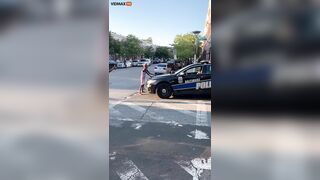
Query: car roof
(198,64)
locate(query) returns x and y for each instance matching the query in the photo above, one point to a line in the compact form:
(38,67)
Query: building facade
(206,45)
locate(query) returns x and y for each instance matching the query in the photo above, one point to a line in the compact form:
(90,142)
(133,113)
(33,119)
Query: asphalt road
(152,138)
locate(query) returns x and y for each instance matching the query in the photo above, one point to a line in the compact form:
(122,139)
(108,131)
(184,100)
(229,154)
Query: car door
(204,86)
(187,80)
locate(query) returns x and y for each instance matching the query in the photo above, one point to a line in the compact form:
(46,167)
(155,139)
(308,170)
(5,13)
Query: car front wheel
(164,91)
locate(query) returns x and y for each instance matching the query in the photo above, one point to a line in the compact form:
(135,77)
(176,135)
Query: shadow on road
(192,97)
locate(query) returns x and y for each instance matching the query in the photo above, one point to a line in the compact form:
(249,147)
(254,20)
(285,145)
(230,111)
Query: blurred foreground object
(266,90)
(268,57)
(53,111)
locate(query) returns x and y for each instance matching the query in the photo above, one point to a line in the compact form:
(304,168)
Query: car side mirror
(181,74)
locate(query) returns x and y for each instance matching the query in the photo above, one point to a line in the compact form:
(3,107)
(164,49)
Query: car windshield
(143,60)
(183,69)
(162,65)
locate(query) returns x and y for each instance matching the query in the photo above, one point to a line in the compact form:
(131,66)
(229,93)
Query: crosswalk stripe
(195,167)
(143,110)
(189,169)
(129,171)
(170,106)
(112,104)
(202,116)
(135,107)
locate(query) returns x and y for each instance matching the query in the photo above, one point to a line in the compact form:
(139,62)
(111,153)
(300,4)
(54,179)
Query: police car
(192,79)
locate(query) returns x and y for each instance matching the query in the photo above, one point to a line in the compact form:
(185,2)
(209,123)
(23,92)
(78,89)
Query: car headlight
(151,81)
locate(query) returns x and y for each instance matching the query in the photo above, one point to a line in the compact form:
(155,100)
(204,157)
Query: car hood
(164,76)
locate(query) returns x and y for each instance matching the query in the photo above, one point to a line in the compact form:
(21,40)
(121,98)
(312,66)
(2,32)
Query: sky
(161,20)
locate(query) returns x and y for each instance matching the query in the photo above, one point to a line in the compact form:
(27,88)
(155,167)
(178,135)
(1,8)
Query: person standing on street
(144,71)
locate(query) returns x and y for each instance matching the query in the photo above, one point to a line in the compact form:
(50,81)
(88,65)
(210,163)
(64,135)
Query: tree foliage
(184,45)
(131,47)
(149,52)
(163,52)
(114,46)
(149,40)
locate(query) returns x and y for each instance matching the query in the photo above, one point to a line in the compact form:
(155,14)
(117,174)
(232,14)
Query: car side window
(195,70)
(206,69)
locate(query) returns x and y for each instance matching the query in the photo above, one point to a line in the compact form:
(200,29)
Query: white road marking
(197,134)
(185,102)
(136,126)
(112,109)
(143,110)
(173,123)
(135,107)
(156,116)
(202,115)
(112,156)
(196,167)
(129,171)
(113,153)
(112,104)
(201,120)
(124,119)
(202,163)
(189,169)
(183,111)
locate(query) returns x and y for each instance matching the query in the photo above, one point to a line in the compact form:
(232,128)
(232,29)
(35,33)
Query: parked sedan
(149,62)
(134,63)
(121,65)
(161,68)
(129,63)
(112,65)
(142,62)
(156,61)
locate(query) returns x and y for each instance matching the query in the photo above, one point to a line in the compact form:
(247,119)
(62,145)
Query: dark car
(192,79)
(112,65)
(156,61)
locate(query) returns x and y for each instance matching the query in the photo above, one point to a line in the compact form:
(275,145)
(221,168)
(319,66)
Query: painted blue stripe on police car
(184,86)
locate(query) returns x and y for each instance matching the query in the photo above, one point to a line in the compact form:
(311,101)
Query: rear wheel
(164,91)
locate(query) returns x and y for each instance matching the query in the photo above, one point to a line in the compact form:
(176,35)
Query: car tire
(164,91)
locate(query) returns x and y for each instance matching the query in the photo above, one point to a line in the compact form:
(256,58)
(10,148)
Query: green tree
(122,52)
(114,46)
(163,52)
(132,47)
(149,40)
(111,44)
(149,52)
(185,46)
